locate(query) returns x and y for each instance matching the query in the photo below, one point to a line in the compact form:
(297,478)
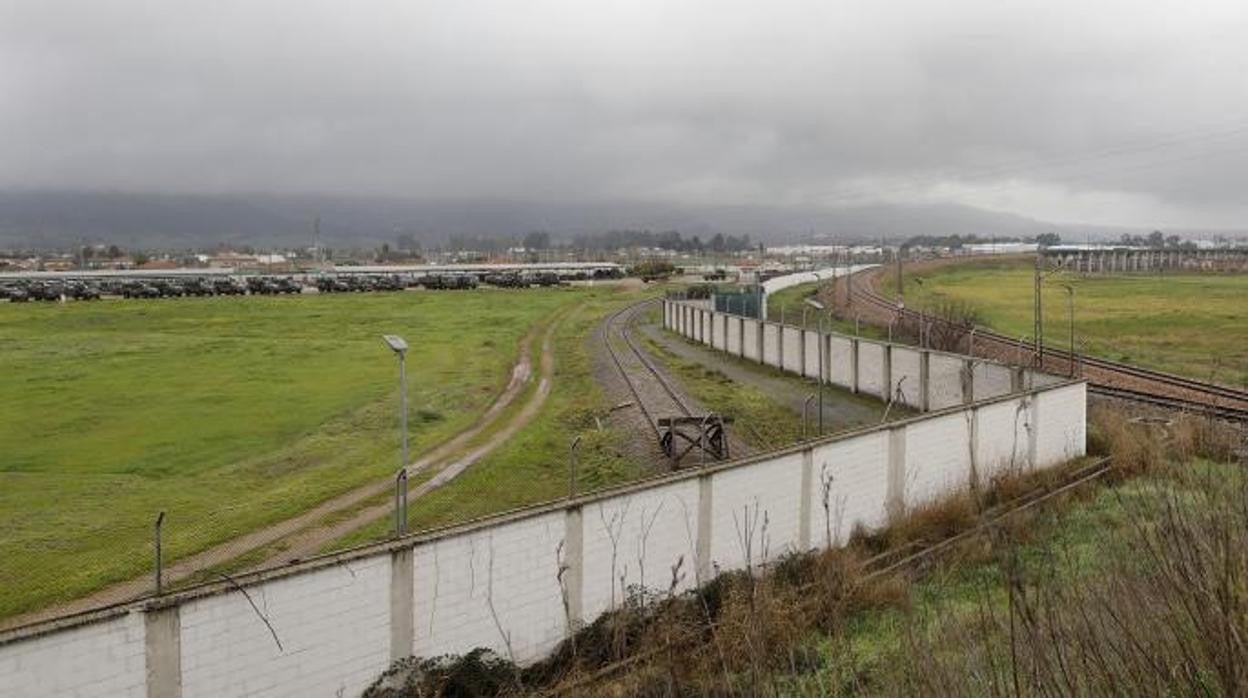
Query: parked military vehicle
(45,291)
(197,287)
(331,284)
(449,281)
(717,275)
(139,289)
(228,287)
(287,284)
(262,286)
(14,294)
(168,288)
(82,291)
(388,283)
(546,278)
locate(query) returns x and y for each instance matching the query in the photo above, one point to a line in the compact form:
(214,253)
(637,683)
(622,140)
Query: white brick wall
(771,344)
(758,505)
(732,342)
(812,355)
(944,381)
(792,349)
(1002,438)
(841,370)
(938,457)
(635,536)
(508,572)
(858,472)
(991,380)
(906,366)
(1063,424)
(334,626)
(870,369)
(750,346)
(99,659)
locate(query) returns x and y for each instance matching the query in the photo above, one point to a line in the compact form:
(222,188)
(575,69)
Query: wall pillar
(162,648)
(402,604)
(1033,431)
(1017,379)
(895,501)
(976,480)
(925,380)
(741,336)
(762,341)
(968,381)
(853,364)
(702,544)
(573,558)
(803,502)
(801,335)
(886,373)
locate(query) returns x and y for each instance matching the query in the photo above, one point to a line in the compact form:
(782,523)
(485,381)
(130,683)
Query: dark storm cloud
(1110,111)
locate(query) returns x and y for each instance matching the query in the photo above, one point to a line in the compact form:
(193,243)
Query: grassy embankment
(789,303)
(532,466)
(1190,324)
(227,413)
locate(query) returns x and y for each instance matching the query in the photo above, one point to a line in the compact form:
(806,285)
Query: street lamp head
(814,304)
(395,342)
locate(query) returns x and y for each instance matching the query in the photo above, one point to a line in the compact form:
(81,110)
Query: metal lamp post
(399,346)
(819,307)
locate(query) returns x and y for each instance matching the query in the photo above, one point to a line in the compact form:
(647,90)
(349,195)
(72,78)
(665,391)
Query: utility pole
(1037,317)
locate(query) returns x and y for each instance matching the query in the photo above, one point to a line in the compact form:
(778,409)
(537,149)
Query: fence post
(160,519)
(400,502)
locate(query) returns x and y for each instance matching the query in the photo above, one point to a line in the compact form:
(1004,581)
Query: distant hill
(60,219)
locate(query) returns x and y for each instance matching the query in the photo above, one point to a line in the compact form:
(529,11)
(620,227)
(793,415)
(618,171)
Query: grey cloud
(811,103)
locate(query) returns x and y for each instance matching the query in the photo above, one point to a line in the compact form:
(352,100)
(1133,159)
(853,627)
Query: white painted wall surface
(102,659)
(469,584)
(906,376)
(1002,439)
(793,349)
(334,627)
(750,345)
(934,466)
(871,369)
(857,470)
(1062,425)
(944,381)
(841,369)
(991,380)
(755,511)
(812,355)
(639,537)
(771,344)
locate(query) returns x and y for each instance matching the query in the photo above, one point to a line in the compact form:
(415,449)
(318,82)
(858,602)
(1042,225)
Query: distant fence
(518,582)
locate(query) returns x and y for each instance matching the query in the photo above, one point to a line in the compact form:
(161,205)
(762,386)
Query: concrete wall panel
(857,472)
(944,381)
(812,355)
(906,376)
(991,380)
(792,350)
(938,457)
(771,344)
(638,537)
(334,628)
(750,344)
(755,513)
(463,582)
(871,369)
(841,361)
(102,659)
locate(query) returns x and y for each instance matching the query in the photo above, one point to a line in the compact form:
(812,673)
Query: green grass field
(1190,324)
(532,466)
(227,413)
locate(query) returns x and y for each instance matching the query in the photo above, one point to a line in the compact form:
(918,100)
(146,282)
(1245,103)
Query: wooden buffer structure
(678,436)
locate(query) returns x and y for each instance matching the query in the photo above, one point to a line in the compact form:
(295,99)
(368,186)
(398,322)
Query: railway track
(1105,377)
(678,430)
(651,391)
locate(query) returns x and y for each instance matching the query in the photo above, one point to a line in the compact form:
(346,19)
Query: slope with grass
(1194,325)
(226,413)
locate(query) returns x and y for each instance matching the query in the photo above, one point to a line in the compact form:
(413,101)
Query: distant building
(1001,247)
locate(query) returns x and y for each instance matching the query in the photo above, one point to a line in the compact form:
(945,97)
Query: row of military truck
(77,289)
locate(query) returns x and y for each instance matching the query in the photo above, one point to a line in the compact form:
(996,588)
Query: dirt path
(304,533)
(310,542)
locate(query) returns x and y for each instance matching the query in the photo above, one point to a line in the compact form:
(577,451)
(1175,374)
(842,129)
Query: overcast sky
(1104,111)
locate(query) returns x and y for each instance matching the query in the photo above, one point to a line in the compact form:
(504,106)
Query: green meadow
(225,413)
(1194,325)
